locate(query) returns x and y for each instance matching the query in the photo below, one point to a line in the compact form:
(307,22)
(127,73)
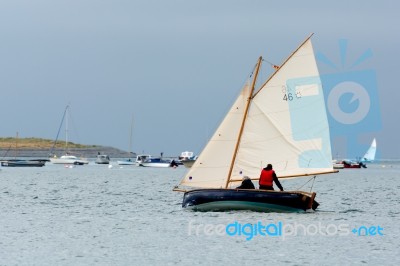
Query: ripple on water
(94,216)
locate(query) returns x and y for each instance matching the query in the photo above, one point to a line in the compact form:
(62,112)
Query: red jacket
(267,177)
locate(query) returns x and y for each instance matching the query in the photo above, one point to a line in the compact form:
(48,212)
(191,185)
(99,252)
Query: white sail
(369,156)
(286,126)
(211,168)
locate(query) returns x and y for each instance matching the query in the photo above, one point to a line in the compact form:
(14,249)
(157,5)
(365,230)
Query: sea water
(96,215)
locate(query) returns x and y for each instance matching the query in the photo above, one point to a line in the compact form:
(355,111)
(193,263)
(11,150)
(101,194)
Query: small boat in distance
(159,162)
(102,159)
(126,162)
(23,163)
(67,158)
(142,158)
(185,155)
(129,161)
(187,159)
(337,164)
(369,156)
(353,164)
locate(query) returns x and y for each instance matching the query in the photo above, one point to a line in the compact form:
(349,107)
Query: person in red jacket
(267,177)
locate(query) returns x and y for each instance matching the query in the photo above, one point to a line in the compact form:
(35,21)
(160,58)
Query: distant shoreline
(89,152)
(11,147)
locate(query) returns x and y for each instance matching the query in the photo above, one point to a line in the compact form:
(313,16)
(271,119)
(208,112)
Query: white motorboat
(102,159)
(149,161)
(68,159)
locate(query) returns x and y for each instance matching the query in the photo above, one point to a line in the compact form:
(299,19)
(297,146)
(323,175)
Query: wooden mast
(244,120)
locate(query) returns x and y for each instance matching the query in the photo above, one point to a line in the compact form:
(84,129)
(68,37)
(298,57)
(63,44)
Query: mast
(244,120)
(130,139)
(66,129)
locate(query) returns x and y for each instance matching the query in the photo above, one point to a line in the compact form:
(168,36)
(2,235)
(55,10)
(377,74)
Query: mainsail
(285,125)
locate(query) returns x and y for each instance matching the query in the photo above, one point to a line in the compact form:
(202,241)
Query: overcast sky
(174,66)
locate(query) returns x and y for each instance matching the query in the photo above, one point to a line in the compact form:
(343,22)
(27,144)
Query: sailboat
(283,123)
(369,156)
(128,161)
(66,158)
(22,162)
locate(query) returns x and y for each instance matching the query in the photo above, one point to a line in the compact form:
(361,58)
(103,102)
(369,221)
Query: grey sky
(175,66)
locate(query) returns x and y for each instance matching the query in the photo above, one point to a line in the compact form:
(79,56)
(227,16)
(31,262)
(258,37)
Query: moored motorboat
(142,158)
(189,162)
(158,162)
(187,158)
(68,159)
(102,159)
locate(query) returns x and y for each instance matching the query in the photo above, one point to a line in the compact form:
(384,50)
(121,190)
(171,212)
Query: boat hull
(23,163)
(159,165)
(102,159)
(243,199)
(354,165)
(188,162)
(68,159)
(126,163)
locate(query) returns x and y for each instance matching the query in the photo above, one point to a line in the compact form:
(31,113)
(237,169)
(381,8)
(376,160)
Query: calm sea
(93,215)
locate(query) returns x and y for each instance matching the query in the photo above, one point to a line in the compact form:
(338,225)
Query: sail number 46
(289,96)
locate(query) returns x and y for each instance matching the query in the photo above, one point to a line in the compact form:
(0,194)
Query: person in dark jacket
(246,183)
(268,177)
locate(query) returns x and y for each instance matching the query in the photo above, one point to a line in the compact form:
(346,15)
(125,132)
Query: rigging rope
(312,178)
(273,65)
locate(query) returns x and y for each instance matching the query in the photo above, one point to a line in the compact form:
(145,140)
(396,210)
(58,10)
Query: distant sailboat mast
(59,129)
(130,138)
(66,130)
